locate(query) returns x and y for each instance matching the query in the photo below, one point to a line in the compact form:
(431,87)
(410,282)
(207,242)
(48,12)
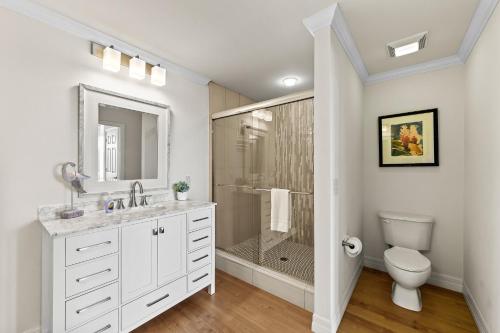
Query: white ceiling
(244,45)
(374,23)
(249,46)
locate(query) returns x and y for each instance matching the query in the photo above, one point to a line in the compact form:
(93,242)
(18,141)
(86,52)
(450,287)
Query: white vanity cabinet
(153,253)
(138,258)
(105,273)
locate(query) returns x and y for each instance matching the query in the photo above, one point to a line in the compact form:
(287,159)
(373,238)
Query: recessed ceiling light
(406,49)
(290,81)
(407,45)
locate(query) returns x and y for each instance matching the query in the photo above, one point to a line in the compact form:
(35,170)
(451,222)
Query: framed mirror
(121,139)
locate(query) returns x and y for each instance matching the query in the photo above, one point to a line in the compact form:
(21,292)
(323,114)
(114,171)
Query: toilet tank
(407,230)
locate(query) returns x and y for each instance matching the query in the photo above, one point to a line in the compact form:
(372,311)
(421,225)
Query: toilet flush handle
(386,221)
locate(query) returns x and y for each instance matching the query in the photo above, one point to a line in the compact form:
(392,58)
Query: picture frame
(409,139)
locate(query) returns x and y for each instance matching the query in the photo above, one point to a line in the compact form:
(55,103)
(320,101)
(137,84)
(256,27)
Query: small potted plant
(181,189)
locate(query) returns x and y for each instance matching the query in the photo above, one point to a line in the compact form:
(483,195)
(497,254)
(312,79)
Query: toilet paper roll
(356,250)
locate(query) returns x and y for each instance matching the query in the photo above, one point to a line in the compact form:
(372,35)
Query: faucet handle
(119,203)
(144,199)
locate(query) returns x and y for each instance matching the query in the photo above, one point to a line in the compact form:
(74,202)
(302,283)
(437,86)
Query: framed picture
(409,139)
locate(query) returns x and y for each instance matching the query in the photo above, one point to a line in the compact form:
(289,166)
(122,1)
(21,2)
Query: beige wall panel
(217,97)
(232,99)
(245,100)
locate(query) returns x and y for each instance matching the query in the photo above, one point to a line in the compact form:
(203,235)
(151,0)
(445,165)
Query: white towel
(280,210)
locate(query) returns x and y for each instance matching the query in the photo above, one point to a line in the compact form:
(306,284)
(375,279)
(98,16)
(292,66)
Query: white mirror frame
(89,99)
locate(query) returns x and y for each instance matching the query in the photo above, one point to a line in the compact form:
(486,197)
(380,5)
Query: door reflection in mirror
(127,144)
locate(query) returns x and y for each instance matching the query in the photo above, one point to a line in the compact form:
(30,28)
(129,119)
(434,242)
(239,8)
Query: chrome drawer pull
(105,328)
(202,219)
(85,278)
(107,299)
(199,239)
(200,258)
(158,300)
(201,277)
(80,249)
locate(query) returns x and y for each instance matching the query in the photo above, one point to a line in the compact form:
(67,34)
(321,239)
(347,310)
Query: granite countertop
(99,219)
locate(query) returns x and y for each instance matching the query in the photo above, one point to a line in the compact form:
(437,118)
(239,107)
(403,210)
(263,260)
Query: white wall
(40,70)
(326,284)
(482,175)
(338,98)
(435,191)
(350,168)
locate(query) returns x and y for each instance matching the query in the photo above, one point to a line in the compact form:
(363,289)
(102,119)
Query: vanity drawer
(86,247)
(199,258)
(137,310)
(105,324)
(198,219)
(91,305)
(91,274)
(199,239)
(199,278)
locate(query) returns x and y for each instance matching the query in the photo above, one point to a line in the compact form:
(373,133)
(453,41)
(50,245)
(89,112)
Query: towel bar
(262,189)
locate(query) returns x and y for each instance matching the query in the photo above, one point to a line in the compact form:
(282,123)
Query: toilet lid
(407,259)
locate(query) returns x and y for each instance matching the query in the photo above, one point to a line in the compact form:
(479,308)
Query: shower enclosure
(253,152)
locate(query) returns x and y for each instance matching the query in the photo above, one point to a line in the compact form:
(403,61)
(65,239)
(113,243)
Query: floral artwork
(407,139)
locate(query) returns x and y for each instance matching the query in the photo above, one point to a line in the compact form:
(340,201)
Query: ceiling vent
(407,45)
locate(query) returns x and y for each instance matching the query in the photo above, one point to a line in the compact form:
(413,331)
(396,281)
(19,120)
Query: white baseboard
(348,292)
(436,279)
(321,325)
(478,316)
(33,330)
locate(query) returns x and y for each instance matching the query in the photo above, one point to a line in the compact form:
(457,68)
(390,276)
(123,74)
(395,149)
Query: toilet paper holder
(346,243)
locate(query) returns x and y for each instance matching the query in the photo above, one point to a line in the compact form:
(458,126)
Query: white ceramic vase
(182,196)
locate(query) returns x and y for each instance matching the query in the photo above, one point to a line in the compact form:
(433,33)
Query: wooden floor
(371,309)
(239,307)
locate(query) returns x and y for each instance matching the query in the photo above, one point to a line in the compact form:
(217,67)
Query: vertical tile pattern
(294,149)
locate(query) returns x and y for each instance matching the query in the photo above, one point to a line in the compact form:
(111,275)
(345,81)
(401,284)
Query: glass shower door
(252,153)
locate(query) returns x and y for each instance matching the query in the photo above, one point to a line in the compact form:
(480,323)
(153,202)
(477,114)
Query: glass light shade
(137,68)
(290,81)
(111,59)
(406,49)
(158,76)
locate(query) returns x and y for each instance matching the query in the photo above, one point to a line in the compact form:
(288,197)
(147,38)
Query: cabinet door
(171,248)
(139,255)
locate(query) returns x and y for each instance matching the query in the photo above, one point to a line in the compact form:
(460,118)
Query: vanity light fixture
(137,68)
(158,75)
(290,81)
(407,45)
(111,59)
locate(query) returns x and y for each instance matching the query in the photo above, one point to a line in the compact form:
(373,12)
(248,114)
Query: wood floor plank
(238,307)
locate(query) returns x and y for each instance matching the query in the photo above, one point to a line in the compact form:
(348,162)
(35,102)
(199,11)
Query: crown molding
(414,69)
(56,20)
(340,27)
(321,19)
(333,16)
(479,21)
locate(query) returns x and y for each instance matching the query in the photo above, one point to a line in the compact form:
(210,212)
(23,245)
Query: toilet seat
(407,259)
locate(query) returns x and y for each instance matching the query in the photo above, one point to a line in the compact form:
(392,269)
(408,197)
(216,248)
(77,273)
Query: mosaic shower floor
(293,259)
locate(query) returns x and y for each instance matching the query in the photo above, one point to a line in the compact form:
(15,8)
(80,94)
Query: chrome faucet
(133,200)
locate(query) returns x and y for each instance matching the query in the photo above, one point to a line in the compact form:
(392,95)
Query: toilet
(406,235)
